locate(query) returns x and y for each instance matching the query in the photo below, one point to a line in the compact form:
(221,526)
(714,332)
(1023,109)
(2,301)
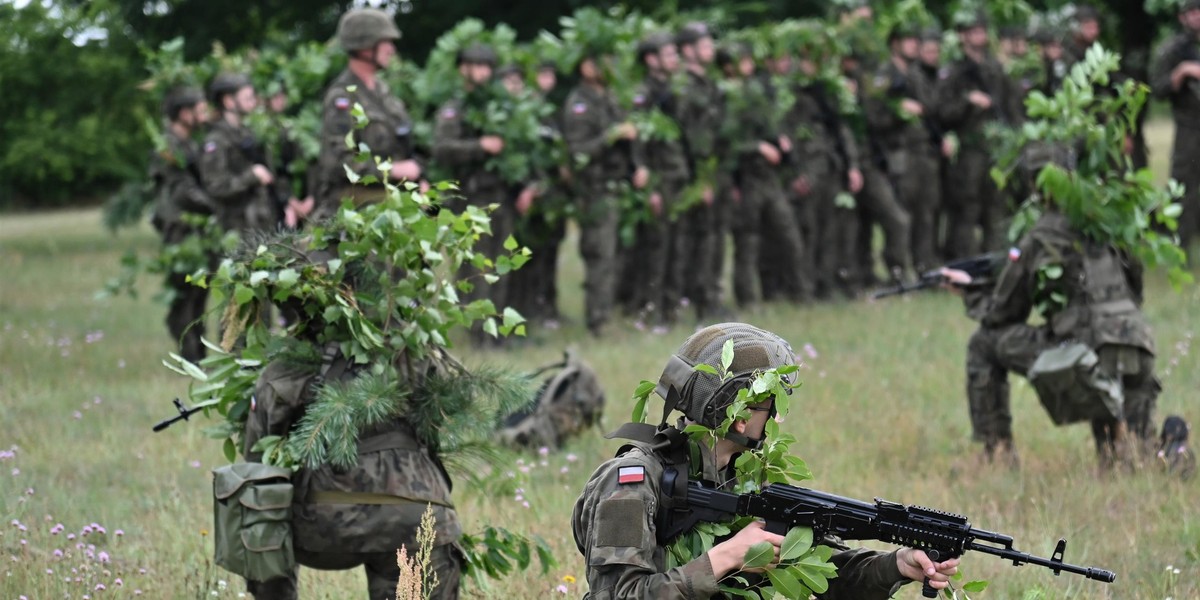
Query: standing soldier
(465,149)
(176,177)
(368,36)
(827,160)
(930,70)
(899,110)
(1175,76)
(701,111)
(657,263)
(595,129)
(976,93)
(760,206)
(233,165)
(288,155)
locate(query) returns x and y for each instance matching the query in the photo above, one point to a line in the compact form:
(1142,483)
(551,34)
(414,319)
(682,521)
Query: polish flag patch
(631,474)
(210,147)
(342,103)
(1014,254)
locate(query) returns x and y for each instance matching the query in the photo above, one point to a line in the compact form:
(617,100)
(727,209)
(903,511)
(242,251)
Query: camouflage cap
(362,28)
(901,31)
(1187,5)
(931,34)
(692,32)
(968,19)
(702,397)
(653,43)
(1086,12)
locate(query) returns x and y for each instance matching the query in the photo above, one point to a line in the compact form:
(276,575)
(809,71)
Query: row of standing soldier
(781,192)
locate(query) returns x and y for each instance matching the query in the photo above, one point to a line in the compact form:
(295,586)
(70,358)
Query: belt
(371,498)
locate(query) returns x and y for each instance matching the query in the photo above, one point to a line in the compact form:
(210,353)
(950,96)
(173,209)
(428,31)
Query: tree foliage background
(75,118)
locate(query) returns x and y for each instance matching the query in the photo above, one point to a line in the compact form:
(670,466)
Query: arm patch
(620,522)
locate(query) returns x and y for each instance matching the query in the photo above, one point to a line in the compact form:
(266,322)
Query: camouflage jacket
(176,177)
(957,112)
(226,169)
(614,528)
(894,129)
(456,146)
(1095,300)
(1185,101)
(700,115)
(588,117)
(665,159)
(392,465)
(824,145)
(388,134)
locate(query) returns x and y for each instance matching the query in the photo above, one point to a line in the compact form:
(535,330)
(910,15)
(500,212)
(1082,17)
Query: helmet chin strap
(742,440)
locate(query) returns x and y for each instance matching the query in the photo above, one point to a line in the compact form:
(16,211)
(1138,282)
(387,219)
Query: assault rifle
(941,535)
(184,413)
(981,269)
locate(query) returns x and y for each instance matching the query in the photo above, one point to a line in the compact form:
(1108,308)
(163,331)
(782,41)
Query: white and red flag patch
(1014,254)
(631,474)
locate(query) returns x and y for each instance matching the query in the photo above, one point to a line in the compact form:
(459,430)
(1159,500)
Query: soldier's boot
(1113,447)
(1174,454)
(1001,451)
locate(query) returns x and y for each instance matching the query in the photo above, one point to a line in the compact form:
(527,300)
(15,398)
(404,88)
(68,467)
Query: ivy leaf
(288,278)
(706,368)
(242,294)
(726,355)
(230,450)
(797,541)
(759,555)
(814,579)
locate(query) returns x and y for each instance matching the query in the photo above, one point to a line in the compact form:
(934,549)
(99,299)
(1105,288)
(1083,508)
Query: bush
(73,114)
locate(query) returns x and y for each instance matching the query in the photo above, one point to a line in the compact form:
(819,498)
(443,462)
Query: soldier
(761,210)
(615,520)
(465,149)
(298,203)
(827,160)
(975,93)
(700,116)
(1054,61)
(595,128)
(176,177)
(1101,295)
(233,166)
(1085,33)
(546,223)
(899,107)
(930,70)
(657,265)
(1175,76)
(367,35)
(343,518)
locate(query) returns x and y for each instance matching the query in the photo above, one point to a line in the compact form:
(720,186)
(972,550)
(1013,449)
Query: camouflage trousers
(185,316)
(994,352)
(533,289)
(598,241)
(878,206)
(653,265)
(972,200)
(764,215)
(381,568)
(916,177)
(1184,155)
(824,228)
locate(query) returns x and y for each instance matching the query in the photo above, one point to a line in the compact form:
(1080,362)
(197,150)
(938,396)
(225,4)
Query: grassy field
(90,498)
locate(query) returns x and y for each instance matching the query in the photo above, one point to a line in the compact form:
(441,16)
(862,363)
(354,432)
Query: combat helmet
(362,28)
(477,54)
(702,397)
(180,98)
(226,83)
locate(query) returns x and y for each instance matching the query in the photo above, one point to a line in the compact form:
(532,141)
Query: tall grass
(882,413)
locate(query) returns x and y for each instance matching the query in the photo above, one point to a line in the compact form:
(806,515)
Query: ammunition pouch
(252,520)
(1072,387)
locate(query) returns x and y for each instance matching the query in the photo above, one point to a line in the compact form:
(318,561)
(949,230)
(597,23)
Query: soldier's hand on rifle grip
(954,279)
(916,565)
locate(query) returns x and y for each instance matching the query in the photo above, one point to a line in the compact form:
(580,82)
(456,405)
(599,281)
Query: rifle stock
(942,535)
(981,268)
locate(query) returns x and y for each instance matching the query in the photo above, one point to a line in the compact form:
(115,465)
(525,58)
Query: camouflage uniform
(177,181)
(614,528)
(971,195)
(702,229)
(343,518)
(589,115)
(388,135)
(1103,288)
(1185,108)
(824,150)
(456,146)
(243,203)
(658,264)
(764,211)
(910,157)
